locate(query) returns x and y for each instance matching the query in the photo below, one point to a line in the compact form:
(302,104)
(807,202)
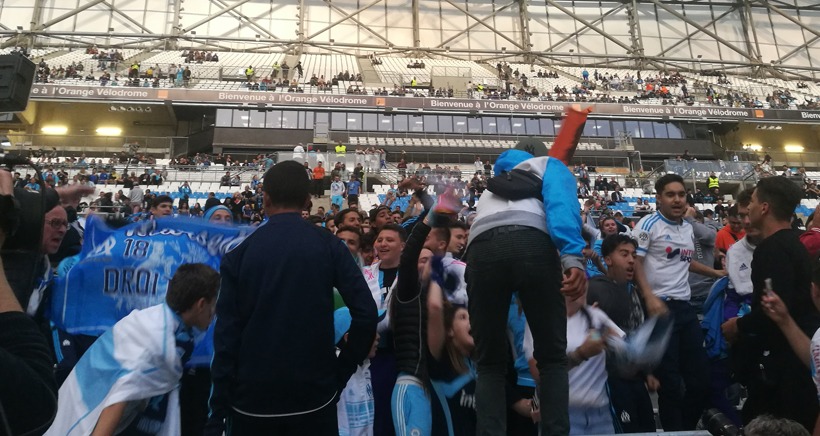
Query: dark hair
(459,225)
(456,360)
(366,241)
(286,185)
(396,228)
(340,217)
(191,282)
(745,197)
(161,199)
(732,211)
(442,233)
(666,179)
(782,194)
(612,242)
(350,229)
(767,425)
(375,212)
(603,220)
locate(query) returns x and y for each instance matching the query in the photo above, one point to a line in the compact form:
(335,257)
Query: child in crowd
(127,382)
(355,408)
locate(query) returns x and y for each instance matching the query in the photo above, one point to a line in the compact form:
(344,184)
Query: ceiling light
(4,141)
(793,148)
(109,131)
(55,130)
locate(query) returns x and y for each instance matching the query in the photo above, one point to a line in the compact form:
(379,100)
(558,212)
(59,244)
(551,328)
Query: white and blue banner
(120,270)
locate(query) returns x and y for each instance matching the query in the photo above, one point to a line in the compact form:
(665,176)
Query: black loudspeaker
(16,78)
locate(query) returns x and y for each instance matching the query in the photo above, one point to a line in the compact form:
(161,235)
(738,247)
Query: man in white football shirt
(666,247)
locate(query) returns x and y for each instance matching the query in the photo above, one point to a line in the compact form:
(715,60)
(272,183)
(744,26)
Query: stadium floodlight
(793,148)
(109,131)
(54,130)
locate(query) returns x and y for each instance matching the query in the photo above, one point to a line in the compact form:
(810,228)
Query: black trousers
(633,407)
(499,262)
(684,372)
(320,423)
(195,389)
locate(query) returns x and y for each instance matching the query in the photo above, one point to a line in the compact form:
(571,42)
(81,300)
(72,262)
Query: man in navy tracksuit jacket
(275,369)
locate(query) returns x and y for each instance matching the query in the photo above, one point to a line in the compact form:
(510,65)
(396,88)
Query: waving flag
(120,270)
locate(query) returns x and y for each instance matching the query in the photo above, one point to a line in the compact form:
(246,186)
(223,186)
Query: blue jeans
(500,261)
(684,372)
(584,421)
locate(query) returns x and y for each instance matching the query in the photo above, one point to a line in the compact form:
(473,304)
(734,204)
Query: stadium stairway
(125,65)
(369,74)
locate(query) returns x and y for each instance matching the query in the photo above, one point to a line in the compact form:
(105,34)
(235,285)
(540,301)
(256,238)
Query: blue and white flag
(132,363)
(120,270)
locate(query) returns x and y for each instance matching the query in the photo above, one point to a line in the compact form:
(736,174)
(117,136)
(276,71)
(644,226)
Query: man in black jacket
(275,369)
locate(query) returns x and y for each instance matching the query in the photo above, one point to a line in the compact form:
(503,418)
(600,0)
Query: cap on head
(342,320)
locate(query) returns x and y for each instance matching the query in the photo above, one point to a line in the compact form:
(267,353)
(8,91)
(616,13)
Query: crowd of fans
(628,282)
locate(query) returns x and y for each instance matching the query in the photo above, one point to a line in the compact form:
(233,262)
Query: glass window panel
(445,124)
(338,121)
(519,126)
(459,124)
(589,128)
(385,123)
(533,126)
(224,117)
(489,125)
(370,122)
(289,119)
(257,119)
(547,127)
(301,118)
(309,120)
(430,123)
(274,119)
(660,130)
(503,125)
(603,128)
(400,123)
(674,131)
(415,123)
(474,125)
(633,129)
(241,118)
(617,128)
(646,129)
(354,121)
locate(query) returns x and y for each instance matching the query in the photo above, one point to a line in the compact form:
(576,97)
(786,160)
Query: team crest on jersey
(643,236)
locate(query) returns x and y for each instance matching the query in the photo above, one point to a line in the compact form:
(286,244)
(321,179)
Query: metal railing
(58,146)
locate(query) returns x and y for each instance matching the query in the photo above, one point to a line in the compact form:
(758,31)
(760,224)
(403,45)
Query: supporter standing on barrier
(286,383)
(666,248)
(514,246)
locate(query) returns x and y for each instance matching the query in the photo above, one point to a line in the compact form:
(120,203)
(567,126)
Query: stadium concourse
(520,218)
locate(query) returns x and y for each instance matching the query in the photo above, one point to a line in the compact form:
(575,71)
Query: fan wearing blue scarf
(127,381)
